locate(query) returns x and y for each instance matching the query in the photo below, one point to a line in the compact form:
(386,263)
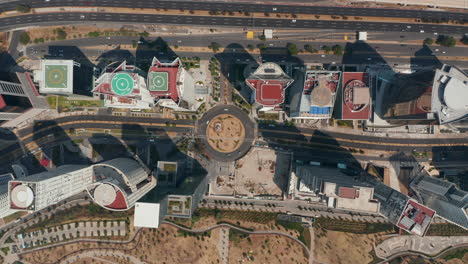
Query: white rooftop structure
(146,215)
(449,94)
(55,76)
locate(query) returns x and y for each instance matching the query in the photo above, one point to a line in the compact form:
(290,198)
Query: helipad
(56,76)
(157,81)
(122,84)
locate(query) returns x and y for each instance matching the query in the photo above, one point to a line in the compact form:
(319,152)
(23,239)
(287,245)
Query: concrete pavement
(428,245)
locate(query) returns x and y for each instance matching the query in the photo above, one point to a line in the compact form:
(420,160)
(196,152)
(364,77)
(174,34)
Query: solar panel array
(316,110)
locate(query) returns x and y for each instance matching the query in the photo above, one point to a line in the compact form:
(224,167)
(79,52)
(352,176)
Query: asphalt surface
(249,127)
(9,23)
(243,7)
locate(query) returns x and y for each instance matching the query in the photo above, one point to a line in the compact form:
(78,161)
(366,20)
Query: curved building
(450,95)
(121,182)
(115,185)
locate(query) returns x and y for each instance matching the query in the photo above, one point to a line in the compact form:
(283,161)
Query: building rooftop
(443,197)
(146,215)
(416,218)
(122,86)
(163,78)
(269,82)
(317,98)
(55,76)
(356,102)
(450,90)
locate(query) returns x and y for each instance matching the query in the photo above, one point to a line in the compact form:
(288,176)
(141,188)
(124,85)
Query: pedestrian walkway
(428,245)
(223,245)
(96,254)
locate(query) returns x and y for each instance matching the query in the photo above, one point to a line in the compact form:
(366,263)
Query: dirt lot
(265,249)
(225,133)
(271,170)
(49,34)
(340,247)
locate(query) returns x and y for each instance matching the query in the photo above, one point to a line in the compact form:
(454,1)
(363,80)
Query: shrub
(446,41)
(24,38)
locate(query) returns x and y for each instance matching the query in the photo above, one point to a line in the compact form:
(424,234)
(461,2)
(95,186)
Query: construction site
(260,173)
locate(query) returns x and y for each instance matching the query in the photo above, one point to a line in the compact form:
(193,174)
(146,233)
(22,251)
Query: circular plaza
(226,132)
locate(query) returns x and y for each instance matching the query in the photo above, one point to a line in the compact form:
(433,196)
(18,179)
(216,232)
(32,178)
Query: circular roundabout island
(227,133)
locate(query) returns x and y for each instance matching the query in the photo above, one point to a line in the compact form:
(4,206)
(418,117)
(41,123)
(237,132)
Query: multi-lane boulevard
(270,134)
(9,23)
(242,7)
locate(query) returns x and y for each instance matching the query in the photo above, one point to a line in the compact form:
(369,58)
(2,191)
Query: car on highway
(294,20)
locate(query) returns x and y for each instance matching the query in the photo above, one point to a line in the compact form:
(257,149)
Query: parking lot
(74,230)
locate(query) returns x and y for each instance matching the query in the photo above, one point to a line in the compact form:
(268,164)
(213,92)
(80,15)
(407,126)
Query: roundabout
(226,132)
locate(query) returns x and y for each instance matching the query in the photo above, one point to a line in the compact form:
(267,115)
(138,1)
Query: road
(249,127)
(249,7)
(9,23)
(400,52)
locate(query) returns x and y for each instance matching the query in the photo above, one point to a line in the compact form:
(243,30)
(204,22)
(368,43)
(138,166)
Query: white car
(294,20)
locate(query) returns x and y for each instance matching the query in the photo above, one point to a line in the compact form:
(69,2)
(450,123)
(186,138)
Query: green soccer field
(158,81)
(56,76)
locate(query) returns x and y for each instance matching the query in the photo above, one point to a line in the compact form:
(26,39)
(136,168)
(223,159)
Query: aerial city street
(233,131)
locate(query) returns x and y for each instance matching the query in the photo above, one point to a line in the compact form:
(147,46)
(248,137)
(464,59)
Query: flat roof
(157,81)
(163,78)
(416,218)
(146,215)
(122,84)
(55,76)
(351,110)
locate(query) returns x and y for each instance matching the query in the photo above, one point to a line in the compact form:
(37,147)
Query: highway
(243,7)
(9,23)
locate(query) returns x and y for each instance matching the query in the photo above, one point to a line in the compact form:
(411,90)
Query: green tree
(446,41)
(215,46)
(428,41)
(292,48)
(94,34)
(310,49)
(250,47)
(464,39)
(61,34)
(262,37)
(23,8)
(24,38)
(337,50)
(326,48)
(261,46)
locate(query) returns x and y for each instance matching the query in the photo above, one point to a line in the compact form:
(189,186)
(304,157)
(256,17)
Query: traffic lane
(372,145)
(99,118)
(239,8)
(61,18)
(338,135)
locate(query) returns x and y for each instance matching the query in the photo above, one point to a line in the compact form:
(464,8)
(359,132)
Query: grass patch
(446,230)
(14,216)
(79,213)
(345,123)
(52,101)
(256,217)
(304,234)
(354,227)
(457,254)
(5,250)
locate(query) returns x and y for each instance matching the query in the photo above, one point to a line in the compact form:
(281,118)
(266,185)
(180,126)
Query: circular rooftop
(105,194)
(322,96)
(122,84)
(22,196)
(455,97)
